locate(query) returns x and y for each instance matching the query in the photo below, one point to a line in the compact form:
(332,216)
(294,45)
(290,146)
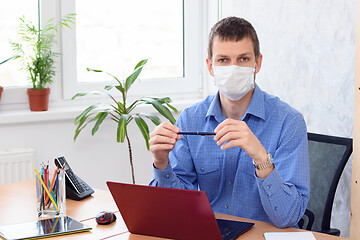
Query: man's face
(227,53)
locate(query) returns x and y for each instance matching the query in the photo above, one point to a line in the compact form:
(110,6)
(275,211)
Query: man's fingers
(226,122)
(170,127)
(168,130)
(226,129)
(228,125)
(161,147)
(229,145)
(160,139)
(228,137)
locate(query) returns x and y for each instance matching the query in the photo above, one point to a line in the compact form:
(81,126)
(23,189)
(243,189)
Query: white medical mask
(234,81)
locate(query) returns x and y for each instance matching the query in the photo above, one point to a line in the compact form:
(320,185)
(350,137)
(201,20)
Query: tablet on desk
(42,228)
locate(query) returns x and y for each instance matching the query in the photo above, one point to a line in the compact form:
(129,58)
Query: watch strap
(268,163)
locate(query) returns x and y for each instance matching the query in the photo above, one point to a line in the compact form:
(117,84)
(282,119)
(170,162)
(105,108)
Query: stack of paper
(289,235)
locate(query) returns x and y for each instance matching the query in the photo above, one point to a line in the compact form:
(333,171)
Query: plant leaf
(141,63)
(98,71)
(80,127)
(120,107)
(85,112)
(108,87)
(92,92)
(163,110)
(16,56)
(162,100)
(93,70)
(121,129)
(156,120)
(120,88)
(100,118)
(137,70)
(143,128)
(134,104)
(117,110)
(172,107)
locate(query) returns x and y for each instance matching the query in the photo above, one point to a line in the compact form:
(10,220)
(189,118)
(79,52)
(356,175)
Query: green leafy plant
(34,49)
(123,113)
(8,59)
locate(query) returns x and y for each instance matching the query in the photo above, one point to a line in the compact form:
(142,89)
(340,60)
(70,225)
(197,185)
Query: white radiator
(16,164)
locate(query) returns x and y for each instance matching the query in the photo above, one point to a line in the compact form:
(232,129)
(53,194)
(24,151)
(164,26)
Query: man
(256,166)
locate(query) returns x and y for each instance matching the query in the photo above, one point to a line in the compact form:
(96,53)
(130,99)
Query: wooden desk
(18,204)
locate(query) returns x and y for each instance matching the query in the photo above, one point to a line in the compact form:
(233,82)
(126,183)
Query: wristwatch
(266,164)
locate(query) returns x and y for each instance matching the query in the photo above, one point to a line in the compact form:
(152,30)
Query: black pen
(198,133)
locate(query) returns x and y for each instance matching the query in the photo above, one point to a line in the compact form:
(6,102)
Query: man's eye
(244,59)
(222,60)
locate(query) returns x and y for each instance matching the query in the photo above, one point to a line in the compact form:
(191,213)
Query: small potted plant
(1,88)
(34,50)
(123,112)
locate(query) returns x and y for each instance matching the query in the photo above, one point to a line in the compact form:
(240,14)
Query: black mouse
(105,217)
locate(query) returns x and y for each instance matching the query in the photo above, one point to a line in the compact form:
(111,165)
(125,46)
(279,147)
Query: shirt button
(275,208)
(268,186)
(226,206)
(167,176)
(232,157)
(202,169)
(230,182)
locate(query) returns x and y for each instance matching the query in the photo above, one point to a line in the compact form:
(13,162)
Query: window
(116,35)
(123,34)
(10,13)
(171,33)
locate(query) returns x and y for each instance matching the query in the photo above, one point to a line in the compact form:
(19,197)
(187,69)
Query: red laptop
(171,213)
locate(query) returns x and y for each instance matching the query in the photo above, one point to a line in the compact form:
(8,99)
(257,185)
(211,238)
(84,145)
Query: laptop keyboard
(228,233)
(232,229)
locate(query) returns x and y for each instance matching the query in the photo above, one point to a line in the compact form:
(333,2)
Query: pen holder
(55,204)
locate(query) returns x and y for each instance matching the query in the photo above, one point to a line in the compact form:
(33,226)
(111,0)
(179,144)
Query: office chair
(328,156)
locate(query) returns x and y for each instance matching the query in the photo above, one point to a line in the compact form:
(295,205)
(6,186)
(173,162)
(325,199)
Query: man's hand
(162,141)
(237,133)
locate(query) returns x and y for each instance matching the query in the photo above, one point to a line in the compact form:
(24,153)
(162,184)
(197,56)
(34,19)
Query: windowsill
(27,116)
(70,113)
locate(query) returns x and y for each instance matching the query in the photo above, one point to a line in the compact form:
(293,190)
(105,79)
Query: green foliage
(34,49)
(8,59)
(121,112)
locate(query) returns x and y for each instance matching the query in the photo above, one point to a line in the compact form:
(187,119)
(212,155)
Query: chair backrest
(328,156)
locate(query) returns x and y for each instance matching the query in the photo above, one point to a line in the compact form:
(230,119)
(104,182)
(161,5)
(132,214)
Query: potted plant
(123,113)
(34,50)
(1,88)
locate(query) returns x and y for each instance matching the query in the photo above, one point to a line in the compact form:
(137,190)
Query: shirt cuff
(164,178)
(272,183)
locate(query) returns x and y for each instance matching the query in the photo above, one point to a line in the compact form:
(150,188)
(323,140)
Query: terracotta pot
(1,90)
(38,99)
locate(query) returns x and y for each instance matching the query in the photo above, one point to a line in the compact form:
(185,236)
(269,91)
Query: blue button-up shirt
(228,176)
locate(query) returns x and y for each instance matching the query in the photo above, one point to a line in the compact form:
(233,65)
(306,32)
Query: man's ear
(209,65)
(258,63)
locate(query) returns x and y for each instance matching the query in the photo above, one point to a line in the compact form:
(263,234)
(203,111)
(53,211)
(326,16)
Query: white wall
(309,58)
(95,159)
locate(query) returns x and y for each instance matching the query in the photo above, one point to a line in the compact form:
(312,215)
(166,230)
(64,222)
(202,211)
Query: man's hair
(233,29)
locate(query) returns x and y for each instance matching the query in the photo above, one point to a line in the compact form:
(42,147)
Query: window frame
(15,98)
(199,16)
(190,85)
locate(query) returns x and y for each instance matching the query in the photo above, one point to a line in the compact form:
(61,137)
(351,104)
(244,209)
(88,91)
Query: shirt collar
(215,109)
(256,106)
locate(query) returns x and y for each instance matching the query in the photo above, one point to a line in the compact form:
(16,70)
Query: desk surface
(18,204)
